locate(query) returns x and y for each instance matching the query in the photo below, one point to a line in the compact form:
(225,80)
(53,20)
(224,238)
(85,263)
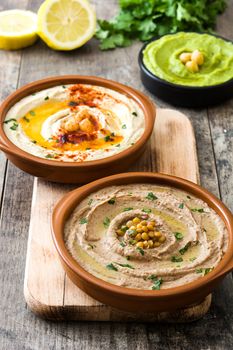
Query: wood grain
(48,291)
(20,329)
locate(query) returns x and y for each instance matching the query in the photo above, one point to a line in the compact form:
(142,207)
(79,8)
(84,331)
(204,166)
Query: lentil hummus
(75,123)
(145,236)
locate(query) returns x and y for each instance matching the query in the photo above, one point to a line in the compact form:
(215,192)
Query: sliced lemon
(17,29)
(66,24)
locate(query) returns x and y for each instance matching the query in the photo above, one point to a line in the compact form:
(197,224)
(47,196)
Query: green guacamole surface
(161,57)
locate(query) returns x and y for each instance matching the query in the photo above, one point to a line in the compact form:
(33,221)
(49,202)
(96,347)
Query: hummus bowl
(144,242)
(168,71)
(75,129)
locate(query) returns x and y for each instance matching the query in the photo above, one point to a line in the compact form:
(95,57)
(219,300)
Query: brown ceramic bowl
(133,299)
(73,172)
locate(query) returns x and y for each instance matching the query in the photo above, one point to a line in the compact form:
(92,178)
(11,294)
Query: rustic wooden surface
(20,329)
(48,291)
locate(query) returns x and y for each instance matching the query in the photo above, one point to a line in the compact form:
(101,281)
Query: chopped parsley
(128,257)
(178,235)
(126,265)
(83,221)
(148,211)
(9,120)
(131,232)
(176,259)
(185,248)
(34,141)
(64,87)
(135,114)
(127,209)
(90,201)
(188,197)
(124,126)
(46,98)
(122,244)
(132,241)
(32,113)
(72,103)
(124,228)
(92,246)
(112,200)
(107,138)
(151,196)
(141,251)
(157,284)
(49,156)
(118,145)
(204,271)
(181,206)
(193,258)
(201,210)
(14,126)
(111,267)
(132,143)
(26,119)
(106,222)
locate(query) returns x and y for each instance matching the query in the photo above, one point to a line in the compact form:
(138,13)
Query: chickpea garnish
(143,232)
(197,57)
(129,223)
(192,66)
(185,57)
(140,245)
(145,236)
(136,220)
(138,237)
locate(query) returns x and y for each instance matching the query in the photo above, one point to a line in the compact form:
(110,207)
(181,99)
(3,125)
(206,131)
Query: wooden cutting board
(48,291)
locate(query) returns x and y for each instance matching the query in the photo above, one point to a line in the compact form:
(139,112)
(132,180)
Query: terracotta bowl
(73,172)
(133,299)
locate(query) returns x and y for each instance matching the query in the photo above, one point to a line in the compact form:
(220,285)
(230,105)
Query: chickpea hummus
(75,123)
(145,236)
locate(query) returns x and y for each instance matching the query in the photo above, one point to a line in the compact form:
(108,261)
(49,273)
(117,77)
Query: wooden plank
(48,292)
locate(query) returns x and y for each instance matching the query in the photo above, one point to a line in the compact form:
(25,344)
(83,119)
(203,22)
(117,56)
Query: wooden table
(19,328)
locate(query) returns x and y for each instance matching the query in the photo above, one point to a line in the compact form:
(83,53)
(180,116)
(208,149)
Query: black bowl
(181,95)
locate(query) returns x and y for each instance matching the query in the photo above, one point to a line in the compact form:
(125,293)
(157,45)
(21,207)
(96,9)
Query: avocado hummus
(145,236)
(162,58)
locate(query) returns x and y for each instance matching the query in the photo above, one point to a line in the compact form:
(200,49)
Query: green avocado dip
(162,58)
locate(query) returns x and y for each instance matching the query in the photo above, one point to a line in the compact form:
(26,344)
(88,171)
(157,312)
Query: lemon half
(17,29)
(66,24)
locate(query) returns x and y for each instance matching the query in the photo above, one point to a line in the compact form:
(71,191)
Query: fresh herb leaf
(143,20)
(9,120)
(185,248)
(49,156)
(181,206)
(205,271)
(107,138)
(83,221)
(151,196)
(46,98)
(141,251)
(200,210)
(14,126)
(132,241)
(157,284)
(122,244)
(193,258)
(32,113)
(92,246)
(124,228)
(118,145)
(152,277)
(127,209)
(126,265)
(128,257)
(148,211)
(106,222)
(188,197)
(176,259)
(111,267)
(131,232)
(135,114)
(34,141)
(124,126)
(178,235)
(112,200)
(26,119)
(72,103)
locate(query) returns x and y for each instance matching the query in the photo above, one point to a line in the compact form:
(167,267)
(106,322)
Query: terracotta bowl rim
(146,104)
(67,203)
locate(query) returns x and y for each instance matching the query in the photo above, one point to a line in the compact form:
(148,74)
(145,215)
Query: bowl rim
(69,201)
(144,102)
(173,85)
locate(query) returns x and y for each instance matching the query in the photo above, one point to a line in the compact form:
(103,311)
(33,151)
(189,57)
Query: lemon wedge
(17,29)
(66,24)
